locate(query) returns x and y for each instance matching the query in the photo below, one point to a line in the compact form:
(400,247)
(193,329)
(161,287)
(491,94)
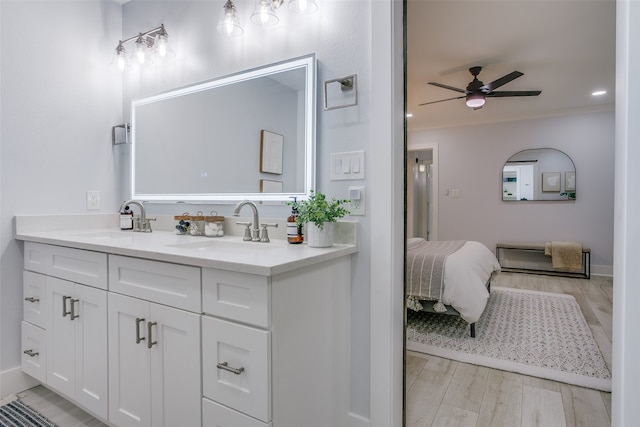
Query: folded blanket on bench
(564,255)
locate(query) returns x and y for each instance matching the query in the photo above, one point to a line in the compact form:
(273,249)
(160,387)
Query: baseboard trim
(602,270)
(14,381)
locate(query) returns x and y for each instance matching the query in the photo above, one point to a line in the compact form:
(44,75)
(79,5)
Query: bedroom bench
(527,257)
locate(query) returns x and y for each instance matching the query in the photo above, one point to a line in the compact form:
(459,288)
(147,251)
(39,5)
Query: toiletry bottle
(294,231)
(126,219)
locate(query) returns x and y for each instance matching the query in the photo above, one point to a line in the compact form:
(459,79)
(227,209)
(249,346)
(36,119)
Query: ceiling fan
(477,92)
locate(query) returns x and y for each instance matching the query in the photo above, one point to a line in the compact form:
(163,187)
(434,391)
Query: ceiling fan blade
(505,93)
(489,87)
(442,100)
(448,87)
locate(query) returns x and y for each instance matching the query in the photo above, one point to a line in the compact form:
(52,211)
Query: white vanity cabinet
(274,348)
(65,322)
(141,331)
(154,349)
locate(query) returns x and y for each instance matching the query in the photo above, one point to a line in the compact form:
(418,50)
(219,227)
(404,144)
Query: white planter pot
(317,238)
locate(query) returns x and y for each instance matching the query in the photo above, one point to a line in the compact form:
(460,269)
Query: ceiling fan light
(475,100)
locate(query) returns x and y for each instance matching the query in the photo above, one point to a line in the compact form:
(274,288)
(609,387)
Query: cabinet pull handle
(64,306)
(32,299)
(151,342)
(31,353)
(73,311)
(225,367)
(138,337)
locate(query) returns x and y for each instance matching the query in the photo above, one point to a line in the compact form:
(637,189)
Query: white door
(61,337)
(91,385)
(129,364)
(175,366)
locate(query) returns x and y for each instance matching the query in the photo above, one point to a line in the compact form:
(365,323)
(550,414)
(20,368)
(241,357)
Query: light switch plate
(347,166)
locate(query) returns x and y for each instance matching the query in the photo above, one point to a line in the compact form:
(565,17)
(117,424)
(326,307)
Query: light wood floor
(57,409)
(442,392)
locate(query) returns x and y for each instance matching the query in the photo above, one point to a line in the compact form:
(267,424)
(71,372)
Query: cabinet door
(91,349)
(129,364)
(175,367)
(60,337)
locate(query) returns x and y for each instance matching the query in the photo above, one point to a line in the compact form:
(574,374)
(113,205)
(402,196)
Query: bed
(450,277)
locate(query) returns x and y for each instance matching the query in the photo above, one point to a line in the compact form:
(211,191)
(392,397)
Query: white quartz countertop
(227,253)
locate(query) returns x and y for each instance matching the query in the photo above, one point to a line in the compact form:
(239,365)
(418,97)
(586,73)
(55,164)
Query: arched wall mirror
(250,135)
(541,174)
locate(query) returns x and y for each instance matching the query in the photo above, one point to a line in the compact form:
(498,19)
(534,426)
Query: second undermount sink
(223,245)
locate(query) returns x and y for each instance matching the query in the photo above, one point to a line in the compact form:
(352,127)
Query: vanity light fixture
(229,24)
(264,14)
(303,7)
(147,45)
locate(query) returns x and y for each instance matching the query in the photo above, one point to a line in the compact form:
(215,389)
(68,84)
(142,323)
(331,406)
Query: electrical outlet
(93,200)
(356,200)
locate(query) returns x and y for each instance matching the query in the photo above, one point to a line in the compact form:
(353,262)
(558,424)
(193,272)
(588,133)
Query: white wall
(471,160)
(59,101)
(339,34)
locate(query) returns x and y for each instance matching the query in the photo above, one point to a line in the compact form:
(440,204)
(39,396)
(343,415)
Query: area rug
(533,333)
(14,413)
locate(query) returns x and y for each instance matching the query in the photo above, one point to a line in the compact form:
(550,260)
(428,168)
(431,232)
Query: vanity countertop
(226,253)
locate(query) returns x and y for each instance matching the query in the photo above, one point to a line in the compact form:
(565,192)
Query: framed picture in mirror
(551,181)
(271,147)
(570,181)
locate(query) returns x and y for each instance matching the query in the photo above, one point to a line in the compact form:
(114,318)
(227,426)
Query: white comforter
(465,276)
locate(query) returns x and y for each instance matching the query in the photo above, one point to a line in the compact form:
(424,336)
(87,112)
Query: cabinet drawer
(34,351)
(216,415)
(245,349)
(76,265)
(34,292)
(169,284)
(236,296)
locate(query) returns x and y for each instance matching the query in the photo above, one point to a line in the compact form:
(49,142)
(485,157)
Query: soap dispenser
(294,231)
(126,219)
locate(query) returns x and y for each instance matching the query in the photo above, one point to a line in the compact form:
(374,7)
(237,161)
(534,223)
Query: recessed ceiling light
(409,115)
(599,93)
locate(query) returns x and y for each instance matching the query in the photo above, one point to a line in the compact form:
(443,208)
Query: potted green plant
(320,215)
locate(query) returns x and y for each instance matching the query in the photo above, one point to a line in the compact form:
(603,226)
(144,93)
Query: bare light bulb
(229,24)
(303,7)
(264,14)
(141,48)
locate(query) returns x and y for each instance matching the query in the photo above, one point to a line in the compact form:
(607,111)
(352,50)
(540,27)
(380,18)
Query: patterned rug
(533,333)
(14,413)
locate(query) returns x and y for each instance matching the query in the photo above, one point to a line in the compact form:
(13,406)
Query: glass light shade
(120,57)
(141,51)
(264,14)
(475,100)
(229,24)
(303,7)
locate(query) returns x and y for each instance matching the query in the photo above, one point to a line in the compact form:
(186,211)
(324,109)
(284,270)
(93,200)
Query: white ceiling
(564,48)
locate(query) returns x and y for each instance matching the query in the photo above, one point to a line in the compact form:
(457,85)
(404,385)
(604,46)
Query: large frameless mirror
(250,135)
(539,174)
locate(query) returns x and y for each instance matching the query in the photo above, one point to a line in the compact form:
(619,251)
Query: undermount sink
(106,235)
(223,245)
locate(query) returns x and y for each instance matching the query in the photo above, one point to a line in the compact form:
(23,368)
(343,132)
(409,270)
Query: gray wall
(471,160)
(59,99)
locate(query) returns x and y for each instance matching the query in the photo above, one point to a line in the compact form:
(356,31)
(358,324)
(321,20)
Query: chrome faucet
(255,232)
(142,223)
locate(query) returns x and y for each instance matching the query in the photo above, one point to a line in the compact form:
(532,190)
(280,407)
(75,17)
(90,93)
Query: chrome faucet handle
(247,231)
(265,235)
(145,226)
